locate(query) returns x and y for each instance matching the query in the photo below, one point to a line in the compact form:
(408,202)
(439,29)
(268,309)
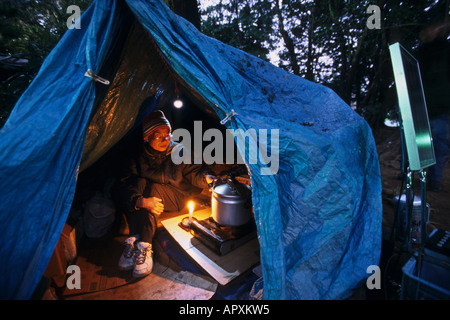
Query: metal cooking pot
(231,203)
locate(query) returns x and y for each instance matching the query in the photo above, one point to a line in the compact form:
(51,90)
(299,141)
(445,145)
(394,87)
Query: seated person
(151,185)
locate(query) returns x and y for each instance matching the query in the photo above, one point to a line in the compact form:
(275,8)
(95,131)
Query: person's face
(160,139)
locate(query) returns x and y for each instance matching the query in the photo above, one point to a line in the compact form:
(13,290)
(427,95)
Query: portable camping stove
(221,239)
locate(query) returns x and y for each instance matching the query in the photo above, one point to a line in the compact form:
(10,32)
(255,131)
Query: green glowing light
(423,140)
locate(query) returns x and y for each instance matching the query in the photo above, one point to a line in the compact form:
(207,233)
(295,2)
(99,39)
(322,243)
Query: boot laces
(129,251)
(140,255)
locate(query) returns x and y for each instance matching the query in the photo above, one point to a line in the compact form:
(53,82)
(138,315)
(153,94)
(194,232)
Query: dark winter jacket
(158,167)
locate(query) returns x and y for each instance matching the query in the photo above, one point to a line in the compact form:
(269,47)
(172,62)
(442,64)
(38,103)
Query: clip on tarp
(92,75)
(228,117)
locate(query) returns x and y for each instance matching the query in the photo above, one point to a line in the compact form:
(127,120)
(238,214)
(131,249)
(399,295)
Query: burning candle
(191,210)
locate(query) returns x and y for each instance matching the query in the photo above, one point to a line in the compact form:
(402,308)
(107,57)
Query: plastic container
(433,283)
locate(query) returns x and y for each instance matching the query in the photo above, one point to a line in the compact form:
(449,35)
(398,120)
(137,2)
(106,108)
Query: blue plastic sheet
(318,218)
(40,150)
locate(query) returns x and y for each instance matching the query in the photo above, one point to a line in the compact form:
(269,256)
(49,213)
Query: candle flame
(191,209)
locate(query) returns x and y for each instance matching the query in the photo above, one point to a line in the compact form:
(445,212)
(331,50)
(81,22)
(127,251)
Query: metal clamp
(91,74)
(228,117)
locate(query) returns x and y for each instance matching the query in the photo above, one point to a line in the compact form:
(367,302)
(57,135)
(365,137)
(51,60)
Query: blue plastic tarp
(40,149)
(318,216)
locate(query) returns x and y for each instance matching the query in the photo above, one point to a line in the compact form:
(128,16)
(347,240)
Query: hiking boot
(143,261)
(126,261)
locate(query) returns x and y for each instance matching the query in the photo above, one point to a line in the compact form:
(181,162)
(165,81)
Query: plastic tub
(433,282)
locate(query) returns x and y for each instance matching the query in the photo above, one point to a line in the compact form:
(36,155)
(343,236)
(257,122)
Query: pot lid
(232,190)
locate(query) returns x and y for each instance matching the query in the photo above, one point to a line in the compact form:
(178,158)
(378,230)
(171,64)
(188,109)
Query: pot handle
(212,184)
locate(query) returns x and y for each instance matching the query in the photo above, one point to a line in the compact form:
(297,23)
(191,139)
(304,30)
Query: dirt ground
(389,151)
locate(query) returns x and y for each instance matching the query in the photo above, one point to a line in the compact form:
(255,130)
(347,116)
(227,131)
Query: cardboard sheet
(222,268)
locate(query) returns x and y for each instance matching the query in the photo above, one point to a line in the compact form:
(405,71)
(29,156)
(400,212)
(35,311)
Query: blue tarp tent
(318,217)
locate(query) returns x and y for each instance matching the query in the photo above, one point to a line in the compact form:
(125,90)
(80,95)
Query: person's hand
(152,204)
(210,178)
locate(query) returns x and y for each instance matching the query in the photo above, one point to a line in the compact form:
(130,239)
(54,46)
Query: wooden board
(222,268)
(162,284)
(101,278)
